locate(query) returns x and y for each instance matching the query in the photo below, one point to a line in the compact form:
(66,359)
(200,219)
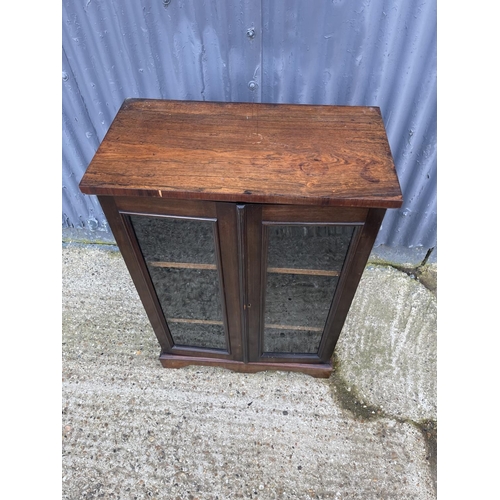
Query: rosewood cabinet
(245,227)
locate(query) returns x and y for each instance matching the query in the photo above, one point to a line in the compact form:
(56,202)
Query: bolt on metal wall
(359,52)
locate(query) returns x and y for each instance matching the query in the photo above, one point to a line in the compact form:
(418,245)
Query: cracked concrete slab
(388,346)
(132,429)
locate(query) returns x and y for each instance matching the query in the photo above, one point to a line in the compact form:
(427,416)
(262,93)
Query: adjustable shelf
(245,227)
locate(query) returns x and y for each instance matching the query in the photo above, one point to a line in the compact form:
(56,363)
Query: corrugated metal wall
(352,52)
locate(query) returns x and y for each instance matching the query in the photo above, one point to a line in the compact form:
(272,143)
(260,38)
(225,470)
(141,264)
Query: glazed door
(245,283)
(298,263)
(183,255)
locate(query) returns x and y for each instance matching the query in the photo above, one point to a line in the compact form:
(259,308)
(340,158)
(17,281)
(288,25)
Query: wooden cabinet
(245,227)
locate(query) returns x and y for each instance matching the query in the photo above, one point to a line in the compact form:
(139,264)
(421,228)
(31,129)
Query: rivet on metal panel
(92,223)
(252,85)
(251,33)
(166,3)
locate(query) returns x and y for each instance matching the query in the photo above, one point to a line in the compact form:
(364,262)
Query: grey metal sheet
(359,52)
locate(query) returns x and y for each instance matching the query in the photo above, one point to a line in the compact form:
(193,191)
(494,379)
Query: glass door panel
(181,258)
(304,263)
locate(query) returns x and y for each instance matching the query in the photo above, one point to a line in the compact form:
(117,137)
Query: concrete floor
(134,430)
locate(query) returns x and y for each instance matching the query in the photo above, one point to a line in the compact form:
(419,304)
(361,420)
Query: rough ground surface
(388,345)
(131,429)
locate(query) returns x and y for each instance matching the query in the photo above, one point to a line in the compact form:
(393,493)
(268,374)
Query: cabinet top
(243,152)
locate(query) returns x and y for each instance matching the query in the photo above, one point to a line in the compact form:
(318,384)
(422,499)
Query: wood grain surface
(319,370)
(243,152)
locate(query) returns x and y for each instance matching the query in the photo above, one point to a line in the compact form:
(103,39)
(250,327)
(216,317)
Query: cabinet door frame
(259,218)
(118,211)
(241,246)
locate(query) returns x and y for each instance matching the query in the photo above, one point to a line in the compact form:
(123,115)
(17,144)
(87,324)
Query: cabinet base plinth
(319,370)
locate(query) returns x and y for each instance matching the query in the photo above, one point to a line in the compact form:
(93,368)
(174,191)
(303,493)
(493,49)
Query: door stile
(325,350)
(242,278)
(253,277)
(228,228)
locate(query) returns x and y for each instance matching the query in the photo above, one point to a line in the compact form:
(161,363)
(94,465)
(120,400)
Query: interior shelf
(271,326)
(183,265)
(273,270)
